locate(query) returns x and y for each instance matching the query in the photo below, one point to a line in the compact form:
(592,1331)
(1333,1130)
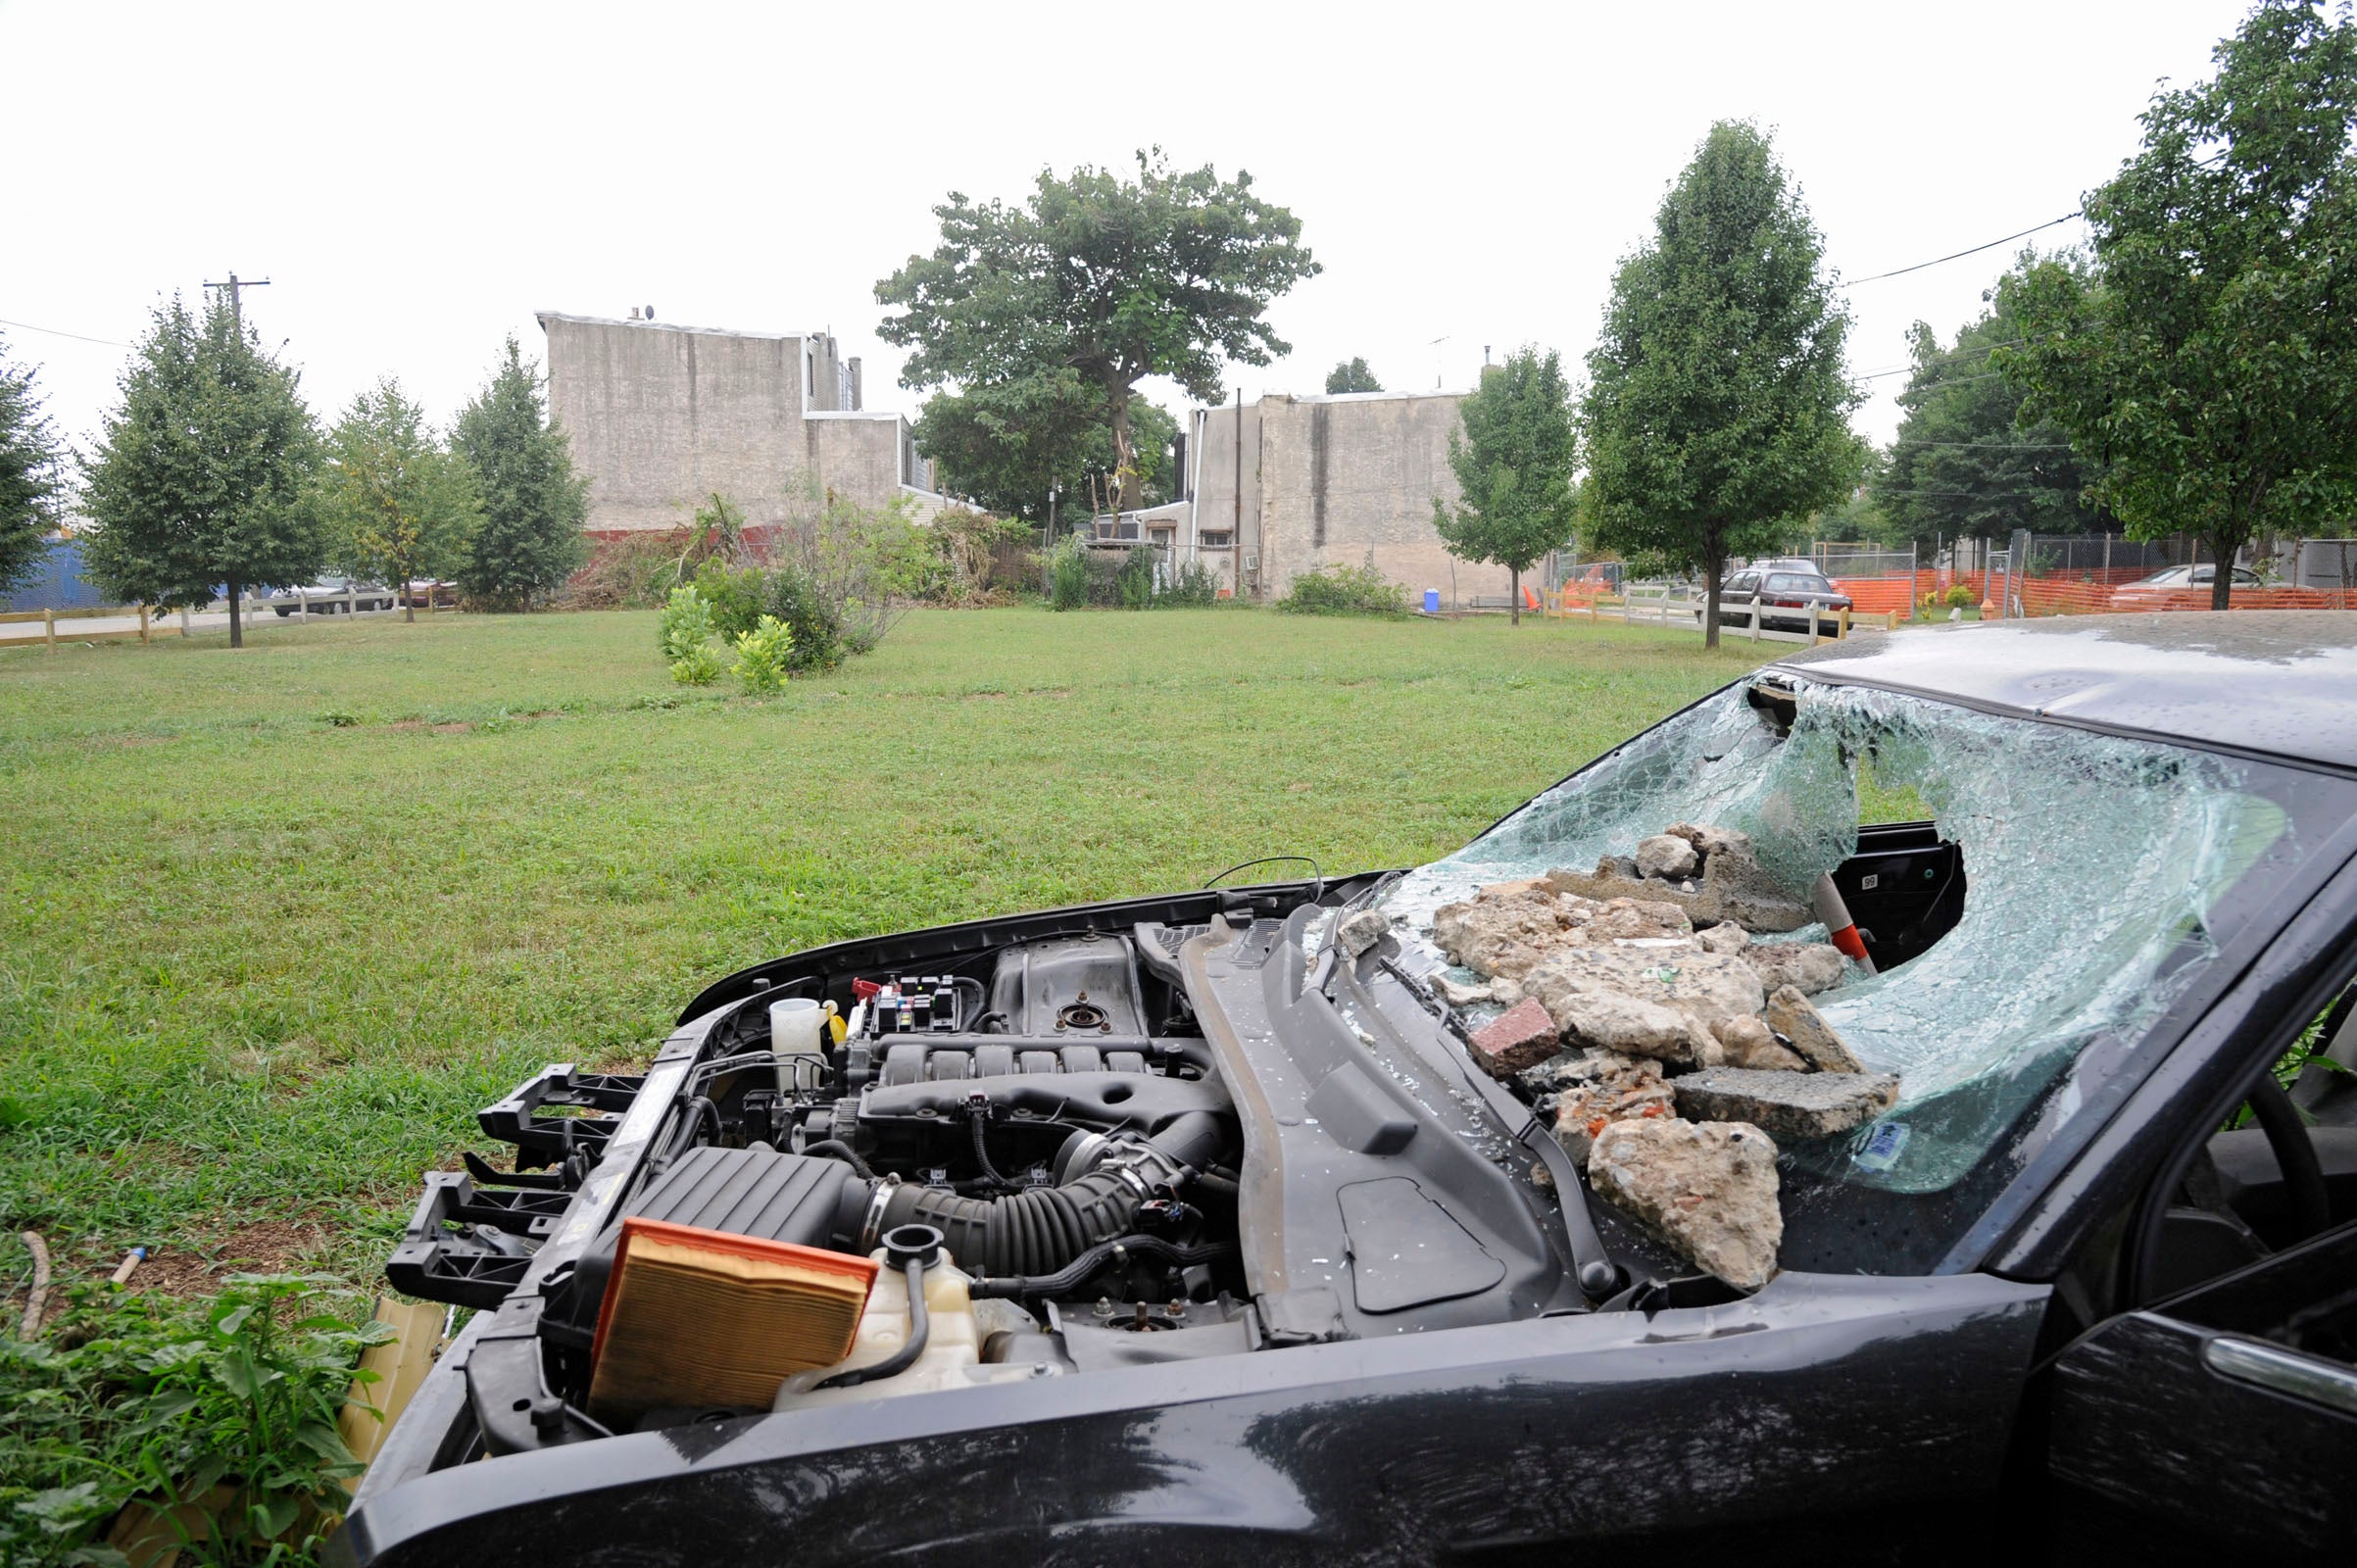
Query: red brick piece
(1523,1036)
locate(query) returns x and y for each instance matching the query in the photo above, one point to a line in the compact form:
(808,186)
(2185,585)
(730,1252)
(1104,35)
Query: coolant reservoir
(952,1355)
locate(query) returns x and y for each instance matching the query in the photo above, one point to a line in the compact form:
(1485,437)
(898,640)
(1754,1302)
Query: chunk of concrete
(1632,920)
(1788,1106)
(1709,840)
(1500,933)
(1748,1042)
(1585,1109)
(1802,1027)
(1724,937)
(1522,1036)
(1709,1186)
(1733,887)
(1811,966)
(1360,931)
(1666,858)
(1646,1003)
(1570,1068)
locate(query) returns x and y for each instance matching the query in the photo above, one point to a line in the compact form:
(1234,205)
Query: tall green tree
(1116,279)
(1964,461)
(1514,465)
(397,505)
(1716,415)
(1006,444)
(199,481)
(27,474)
(2210,355)
(534,504)
(1351,375)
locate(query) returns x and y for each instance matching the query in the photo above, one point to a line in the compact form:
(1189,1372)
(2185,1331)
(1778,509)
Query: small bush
(1194,586)
(1133,580)
(1343,591)
(1069,575)
(685,633)
(1959,596)
(764,656)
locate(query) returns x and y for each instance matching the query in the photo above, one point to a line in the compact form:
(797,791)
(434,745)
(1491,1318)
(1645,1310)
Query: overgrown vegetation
(764,656)
(1338,590)
(685,634)
(219,1416)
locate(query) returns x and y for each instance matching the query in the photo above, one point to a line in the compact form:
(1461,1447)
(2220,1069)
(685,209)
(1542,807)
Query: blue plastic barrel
(1432,601)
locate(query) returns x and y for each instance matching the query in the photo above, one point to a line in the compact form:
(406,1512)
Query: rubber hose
(920,1328)
(839,1150)
(1033,1232)
(1224,1186)
(1077,1272)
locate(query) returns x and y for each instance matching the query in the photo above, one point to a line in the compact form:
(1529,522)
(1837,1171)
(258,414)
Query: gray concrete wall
(1339,481)
(662,417)
(1220,507)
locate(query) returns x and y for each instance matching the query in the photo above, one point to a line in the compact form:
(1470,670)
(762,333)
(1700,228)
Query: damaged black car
(1899,1105)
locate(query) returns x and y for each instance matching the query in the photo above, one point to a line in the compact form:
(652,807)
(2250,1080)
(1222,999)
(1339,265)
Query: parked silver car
(326,595)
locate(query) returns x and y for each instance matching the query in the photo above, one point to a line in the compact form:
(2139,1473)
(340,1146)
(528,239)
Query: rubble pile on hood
(1669,1046)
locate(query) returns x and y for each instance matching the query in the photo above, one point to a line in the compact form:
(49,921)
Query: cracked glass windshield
(2100,872)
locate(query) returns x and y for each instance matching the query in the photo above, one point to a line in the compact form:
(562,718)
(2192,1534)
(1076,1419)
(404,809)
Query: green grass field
(278,922)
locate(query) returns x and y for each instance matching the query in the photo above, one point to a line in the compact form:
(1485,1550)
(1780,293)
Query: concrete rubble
(1787,1105)
(1708,1187)
(1361,931)
(1670,1048)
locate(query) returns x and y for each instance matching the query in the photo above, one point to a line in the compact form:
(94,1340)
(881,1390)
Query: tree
(534,503)
(1113,279)
(27,474)
(199,481)
(1964,461)
(396,505)
(1716,415)
(1351,375)
(2210,355)
(1514,464)
(1006,444)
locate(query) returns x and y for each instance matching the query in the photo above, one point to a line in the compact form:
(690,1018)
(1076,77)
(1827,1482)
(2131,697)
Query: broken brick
(1523,1036)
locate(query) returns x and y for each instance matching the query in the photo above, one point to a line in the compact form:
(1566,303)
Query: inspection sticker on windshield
(1883,1146)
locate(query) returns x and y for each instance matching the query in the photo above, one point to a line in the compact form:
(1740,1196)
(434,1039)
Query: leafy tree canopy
(199,480)
(1351,375)
(1113,279)
(534,504)
(1514,464)
(1964,461)
(1716,416)
(2209,357)
(27,474)
(397,507)
(1005,444)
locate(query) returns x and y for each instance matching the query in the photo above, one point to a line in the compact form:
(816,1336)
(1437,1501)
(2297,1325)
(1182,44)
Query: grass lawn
(278,922)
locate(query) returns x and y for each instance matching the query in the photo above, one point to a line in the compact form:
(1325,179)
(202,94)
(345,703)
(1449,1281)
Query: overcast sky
(416,180)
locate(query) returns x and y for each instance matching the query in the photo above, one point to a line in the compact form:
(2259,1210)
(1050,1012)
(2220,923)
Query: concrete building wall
(1336,481)
(662,417)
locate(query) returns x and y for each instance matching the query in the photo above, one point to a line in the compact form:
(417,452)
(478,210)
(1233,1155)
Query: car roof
(2276,682)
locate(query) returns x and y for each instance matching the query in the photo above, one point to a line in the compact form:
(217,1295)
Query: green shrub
(686,633)
(134,1397)
(1194,586)
(1069,574)
(1959,596)
(1338,590)
(764,656)
(1133,580)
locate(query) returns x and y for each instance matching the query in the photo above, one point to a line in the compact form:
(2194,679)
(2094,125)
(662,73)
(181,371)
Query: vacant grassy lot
(276,922)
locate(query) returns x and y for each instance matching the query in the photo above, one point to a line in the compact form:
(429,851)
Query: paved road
(167,624)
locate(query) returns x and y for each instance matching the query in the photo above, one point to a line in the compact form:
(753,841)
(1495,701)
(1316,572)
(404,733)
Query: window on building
(1217,539)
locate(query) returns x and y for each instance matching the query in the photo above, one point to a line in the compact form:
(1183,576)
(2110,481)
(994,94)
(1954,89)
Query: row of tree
(211,474)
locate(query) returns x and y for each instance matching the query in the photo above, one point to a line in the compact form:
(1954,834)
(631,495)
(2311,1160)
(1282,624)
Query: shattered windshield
(2098,867)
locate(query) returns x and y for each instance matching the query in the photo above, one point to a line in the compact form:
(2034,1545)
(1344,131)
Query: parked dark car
(1785,597)
(1278,1276)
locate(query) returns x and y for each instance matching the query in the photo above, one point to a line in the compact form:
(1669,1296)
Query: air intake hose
(1040,1230)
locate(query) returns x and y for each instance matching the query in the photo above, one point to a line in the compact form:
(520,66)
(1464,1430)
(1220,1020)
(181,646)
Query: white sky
(416,180)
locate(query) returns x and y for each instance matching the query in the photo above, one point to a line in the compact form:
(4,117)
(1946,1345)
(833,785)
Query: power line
(28,326)
(1901,271)
(1944,359)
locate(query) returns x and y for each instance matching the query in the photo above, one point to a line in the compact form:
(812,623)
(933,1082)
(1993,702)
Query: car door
(1735,597)
(2224,1420)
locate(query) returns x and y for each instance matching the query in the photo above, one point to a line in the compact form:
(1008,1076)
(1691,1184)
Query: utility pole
(236,287)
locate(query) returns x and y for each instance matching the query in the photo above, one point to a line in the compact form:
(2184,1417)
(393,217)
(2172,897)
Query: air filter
(702,1317)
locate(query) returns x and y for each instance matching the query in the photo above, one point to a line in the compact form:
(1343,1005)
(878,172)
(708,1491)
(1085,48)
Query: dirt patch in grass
(201,1266)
